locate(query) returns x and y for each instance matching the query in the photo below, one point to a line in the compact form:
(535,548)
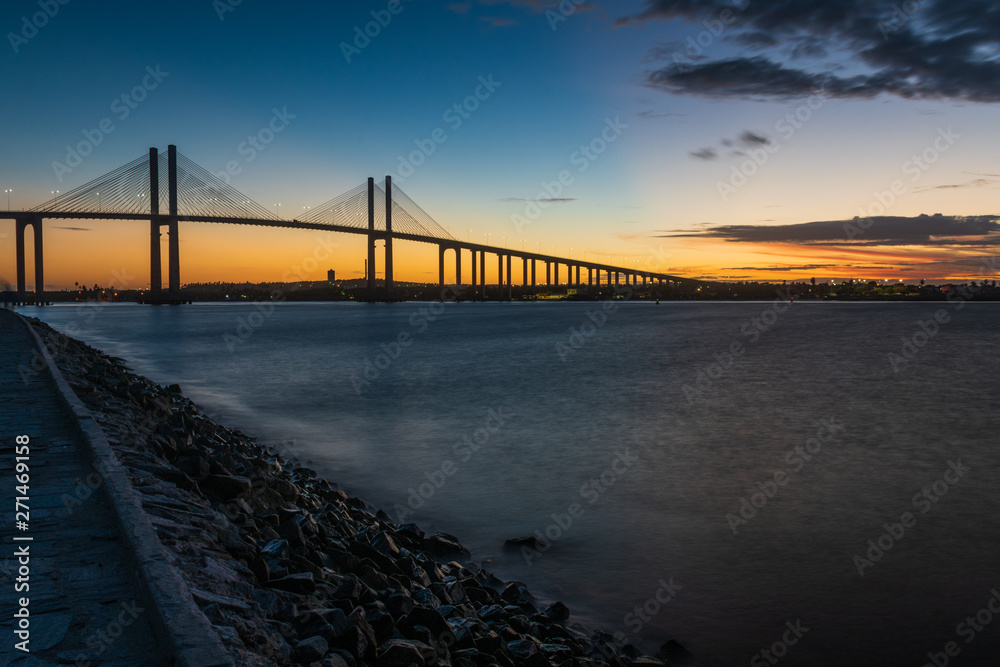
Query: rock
(557,611)
(310,650)
(274,549)
(285,489)
(196,466)
(226,487)
(516,543)
(404,653)
(301,583)
(673,653)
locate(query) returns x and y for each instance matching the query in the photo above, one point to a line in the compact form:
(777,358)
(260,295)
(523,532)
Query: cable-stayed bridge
(166,188)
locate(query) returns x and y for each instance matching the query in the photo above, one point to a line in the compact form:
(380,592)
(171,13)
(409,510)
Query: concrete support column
(458,266)
(19,226)
(555,272)
(548,274)
(155,263)
(388,235)
(499,270)
(174,262)
(36,224)
(441,266)
(524,266)
(473,274)
(533,262)
(577,274)
(482,271)
(371,236)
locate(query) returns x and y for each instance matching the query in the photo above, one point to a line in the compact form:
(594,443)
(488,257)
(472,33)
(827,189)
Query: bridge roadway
(552,262)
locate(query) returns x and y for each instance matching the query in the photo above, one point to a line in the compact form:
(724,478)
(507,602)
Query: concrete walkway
(85,601)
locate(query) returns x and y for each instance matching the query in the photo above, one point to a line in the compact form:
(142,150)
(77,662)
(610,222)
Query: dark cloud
(942,49)
(749,138)
(934,230)
(75,229)
(977,183)
(538,6)
(657,114)
(498,22)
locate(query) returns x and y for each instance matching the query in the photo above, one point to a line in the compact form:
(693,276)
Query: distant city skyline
(719,139)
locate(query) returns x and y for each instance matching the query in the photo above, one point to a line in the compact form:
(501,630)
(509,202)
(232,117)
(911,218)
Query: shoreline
(291,570)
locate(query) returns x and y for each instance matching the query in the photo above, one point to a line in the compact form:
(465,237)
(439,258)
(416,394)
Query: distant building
(331,275)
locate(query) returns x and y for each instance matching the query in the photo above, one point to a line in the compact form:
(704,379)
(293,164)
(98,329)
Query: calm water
(298,377)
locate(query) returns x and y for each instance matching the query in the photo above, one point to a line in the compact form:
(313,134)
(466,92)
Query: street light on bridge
(8,191)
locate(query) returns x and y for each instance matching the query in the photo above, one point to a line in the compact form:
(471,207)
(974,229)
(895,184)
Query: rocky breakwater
(291,570)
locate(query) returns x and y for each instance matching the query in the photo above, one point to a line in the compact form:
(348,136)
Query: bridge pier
(441,250)
(533,263)
(482,271)
(371,239)
(510,292)
(555,272)
(524,271)
(155,266)
(388,234)
(458,266)
(174,268)
(36,227)
(473,274)
(577,274)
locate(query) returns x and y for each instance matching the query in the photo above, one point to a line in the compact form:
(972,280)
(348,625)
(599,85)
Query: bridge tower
(174,270)
(371,235)
(388,234)
(155,279)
